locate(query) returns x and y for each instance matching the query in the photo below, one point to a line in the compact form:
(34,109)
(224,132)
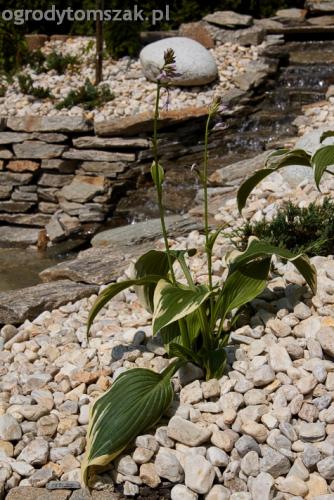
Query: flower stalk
(167,72)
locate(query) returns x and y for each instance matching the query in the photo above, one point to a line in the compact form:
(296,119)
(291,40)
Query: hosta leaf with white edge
(258,249)
(275,161)
(172,302)
(326,134)
(134,403)
(151,263)
(242,286)
(321,160)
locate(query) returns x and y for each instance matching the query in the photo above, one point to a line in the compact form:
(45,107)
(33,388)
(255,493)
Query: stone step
(18,305)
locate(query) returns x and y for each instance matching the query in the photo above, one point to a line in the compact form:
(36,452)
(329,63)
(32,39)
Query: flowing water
(263,123)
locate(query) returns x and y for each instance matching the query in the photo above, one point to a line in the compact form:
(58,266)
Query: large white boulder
(194,63)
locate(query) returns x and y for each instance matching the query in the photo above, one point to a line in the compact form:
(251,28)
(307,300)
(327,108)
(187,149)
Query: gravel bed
(265,428)
(133,93)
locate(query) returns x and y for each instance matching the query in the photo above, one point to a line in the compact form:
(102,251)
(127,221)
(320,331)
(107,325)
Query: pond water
(19,267)
(263,124)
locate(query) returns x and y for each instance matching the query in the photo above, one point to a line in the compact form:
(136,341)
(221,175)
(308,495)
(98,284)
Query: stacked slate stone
(55,173)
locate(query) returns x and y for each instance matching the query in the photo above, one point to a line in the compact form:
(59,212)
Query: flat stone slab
(5,154)
(114,143)
(97,155)
(143,122)
(321,21)
(18,305)
(16,137)
(302,30)
(144,231)
(105,168)
(34,123)
(18,237)
(39,220)
(83,188)
(94,266)
(23,166)
(239,169)
(38,149)
(113,249)
(12,137)
(229,19)
(59,165)
(10,179)
(292,15)
(319,6)
(13,206)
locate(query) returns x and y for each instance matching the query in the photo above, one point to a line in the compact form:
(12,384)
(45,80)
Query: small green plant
(3,90)
(88,96)
(36,60)
(26,84)
(41,63)
(59,62)
(308,229)
(194,320)
(319,162)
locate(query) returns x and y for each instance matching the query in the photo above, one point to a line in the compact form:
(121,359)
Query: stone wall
(59,174)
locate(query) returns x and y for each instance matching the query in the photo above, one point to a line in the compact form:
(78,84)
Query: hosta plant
(194,320)
(319,162)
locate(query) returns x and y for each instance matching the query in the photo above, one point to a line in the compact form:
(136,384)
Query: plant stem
(158,185)
(206,207)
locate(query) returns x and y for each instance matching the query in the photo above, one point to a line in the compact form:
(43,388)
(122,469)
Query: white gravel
(133,93)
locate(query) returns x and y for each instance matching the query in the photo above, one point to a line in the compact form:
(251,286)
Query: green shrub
(26,84)
(309,229)
(36,60)
(59,62)
(88,96)
(41,63)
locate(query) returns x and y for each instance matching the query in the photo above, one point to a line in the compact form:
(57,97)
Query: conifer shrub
(88,96)
(308,229)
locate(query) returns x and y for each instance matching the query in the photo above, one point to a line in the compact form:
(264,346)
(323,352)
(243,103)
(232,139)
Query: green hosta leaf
(184,353)
(112,290)
(242,286)
(214,362)
(193,322)
(322,158)
(172,302)
(325,135)
(155,263)
(157,173)
(275,161)
(133,404)
(247,187)
(171,333)
(258,249)
(285,157)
